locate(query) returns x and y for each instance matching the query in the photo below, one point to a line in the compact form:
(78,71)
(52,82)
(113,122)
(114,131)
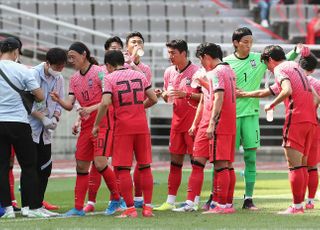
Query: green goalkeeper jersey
(249,72)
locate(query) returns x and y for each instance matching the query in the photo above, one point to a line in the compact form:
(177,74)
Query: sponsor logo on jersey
(253,63)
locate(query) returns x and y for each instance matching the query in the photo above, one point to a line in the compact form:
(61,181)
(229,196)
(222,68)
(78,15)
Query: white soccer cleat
(49,213)
(37,213)
(185,208)
(9,213)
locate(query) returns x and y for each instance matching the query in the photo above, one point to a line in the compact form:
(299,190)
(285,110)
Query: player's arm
(316,97)
(85,111)
(183,94)
(197,117)
(257,93)
(298,49)
(102,110)
(66,104)
(215,114)
(151,98)
(284,93)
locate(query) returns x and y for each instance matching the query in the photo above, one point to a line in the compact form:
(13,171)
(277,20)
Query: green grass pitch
(272,194)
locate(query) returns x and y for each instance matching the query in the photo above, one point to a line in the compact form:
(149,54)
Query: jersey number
(129,90)
(245,77)
(85,95)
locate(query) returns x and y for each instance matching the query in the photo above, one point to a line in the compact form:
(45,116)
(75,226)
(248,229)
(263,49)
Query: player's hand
(158,92)
(210,130)
(175,93)
(192,131)
(303,50)
(268,107)
(76,127)
(95,131)
(84,112)
(240,93)
(55,96)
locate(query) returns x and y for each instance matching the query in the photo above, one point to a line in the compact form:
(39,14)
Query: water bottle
(140,52)
(269,115)
(170,98)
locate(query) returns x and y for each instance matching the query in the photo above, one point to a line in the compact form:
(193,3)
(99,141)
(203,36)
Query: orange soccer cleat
(147,211)
(49,206)
(130,212)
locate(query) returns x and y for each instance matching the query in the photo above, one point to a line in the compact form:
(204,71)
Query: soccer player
(126,90)
(219,102)
(309,64)
(249,71)
(177,88)
(113,43)
(86,87)
(299,129)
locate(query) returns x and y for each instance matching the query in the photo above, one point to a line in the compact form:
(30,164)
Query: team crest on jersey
(188,81)
(253,63)
(90,82)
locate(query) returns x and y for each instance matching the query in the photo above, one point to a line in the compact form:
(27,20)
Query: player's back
(299,105)
(128,93)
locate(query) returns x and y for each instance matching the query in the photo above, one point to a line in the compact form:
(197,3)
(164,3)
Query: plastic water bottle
(169,89)
(269,115)
(140,52)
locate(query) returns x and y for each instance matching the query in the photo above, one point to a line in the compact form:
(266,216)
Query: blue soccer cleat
(138,203)
(75,212)
(113,207)
(2,211)
(123,205)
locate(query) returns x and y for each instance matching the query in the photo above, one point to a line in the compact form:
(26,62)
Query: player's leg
(94,185)
(250,138)
(11,180)
(138,198)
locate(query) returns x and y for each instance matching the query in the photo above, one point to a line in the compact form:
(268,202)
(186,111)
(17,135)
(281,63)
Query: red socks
(174,179)
(232,177)
(80,190)
(94,183)
(11,181)
(214,193)
(137,182)
(111,182)
(195,182)
(222,187)
(297,182)
(313,183)
(125,185)
(147,185)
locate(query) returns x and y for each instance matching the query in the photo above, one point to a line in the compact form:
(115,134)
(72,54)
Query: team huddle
(215,110)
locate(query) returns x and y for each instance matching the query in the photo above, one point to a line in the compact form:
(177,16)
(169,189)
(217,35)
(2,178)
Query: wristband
(188,96)
(272,106)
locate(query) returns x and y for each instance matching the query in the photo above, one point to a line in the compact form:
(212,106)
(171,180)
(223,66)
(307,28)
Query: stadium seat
(120,9)
(177,25)
(278,13)
(297,29)
(174,10)
(158,25)
(102,9)
(11,24)
(103,25)
(213,25)
(297,12)
(140,24)
(28,6)
(47,9)
(192,10)
(195,37)
(86,22)
(139,9)
(156,10)
(195,25)
(83,9)
(209,9)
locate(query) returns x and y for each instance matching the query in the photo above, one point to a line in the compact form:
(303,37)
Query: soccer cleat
(88,208)
(291,211)
(138,203)
(74,212)
(37,213)
(206,206)
(2,211)
(184,208)
(216,210)
(25,211)
(130,212)
(196,207)
(49,206)
(164,207)
(309,205)
(8,213)
(147,211)
(123,205)
(248,204)
(50,213)
(15,206)
(230,210)
(112,208)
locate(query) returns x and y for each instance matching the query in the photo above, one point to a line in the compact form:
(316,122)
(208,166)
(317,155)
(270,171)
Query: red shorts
(127,145)
(314,153)
(89,146)
(222,147)
(180,143)
(201,145)
(299,136)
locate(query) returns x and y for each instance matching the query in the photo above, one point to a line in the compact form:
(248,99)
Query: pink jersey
(127,88)
(144,68)
(299,105)
(206,111)
(184,109)
(224,79)
(314,83)
(87,90)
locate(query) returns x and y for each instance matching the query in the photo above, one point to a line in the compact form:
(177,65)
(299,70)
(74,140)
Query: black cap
(11,43)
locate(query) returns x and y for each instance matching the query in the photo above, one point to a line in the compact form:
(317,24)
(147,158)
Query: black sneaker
(248,204)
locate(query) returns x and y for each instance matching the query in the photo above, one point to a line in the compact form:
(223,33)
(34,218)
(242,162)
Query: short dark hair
(178,44)
(273,51)
(114,58)
(56,56)
(108,42)
(134,34)
(308,63)
(210,49)
(10,44)
(240,33)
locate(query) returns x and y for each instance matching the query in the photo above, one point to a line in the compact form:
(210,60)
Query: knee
(100,165)
(144,167)
(46,170)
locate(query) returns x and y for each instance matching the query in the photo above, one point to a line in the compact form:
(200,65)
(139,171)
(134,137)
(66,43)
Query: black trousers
(19,135)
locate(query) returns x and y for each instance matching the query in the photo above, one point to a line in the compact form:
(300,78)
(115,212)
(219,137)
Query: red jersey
(223,79)
(146,70)
(314,83)
(206,111)
(87,89)
(184,109)
(299,105)
(127,88)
